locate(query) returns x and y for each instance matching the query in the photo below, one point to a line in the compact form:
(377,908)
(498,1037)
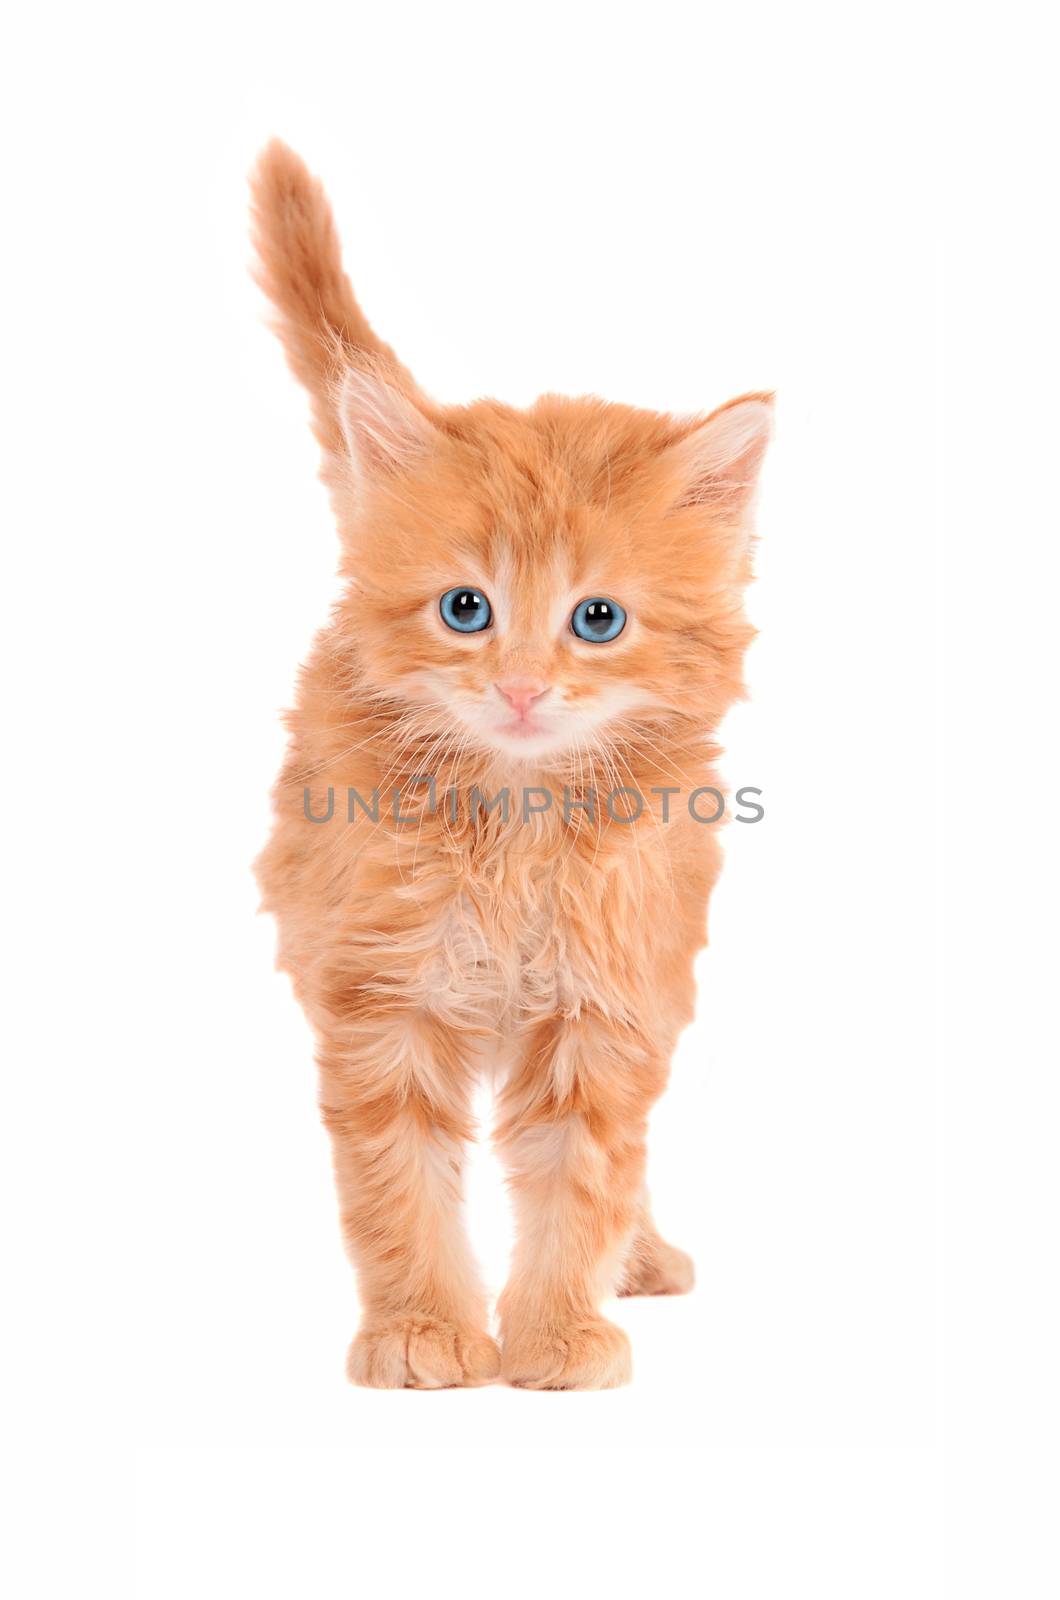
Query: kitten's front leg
(573,1137)
(398,1119)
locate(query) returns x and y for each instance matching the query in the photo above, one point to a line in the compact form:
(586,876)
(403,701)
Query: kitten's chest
(501,961)
(540,934)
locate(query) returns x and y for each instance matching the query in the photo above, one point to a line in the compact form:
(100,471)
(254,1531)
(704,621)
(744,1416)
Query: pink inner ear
(383,430)
(723,457)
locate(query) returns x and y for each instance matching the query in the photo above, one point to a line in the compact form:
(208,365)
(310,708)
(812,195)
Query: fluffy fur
(555,953)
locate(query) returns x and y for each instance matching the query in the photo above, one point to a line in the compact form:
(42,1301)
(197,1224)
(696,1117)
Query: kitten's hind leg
(653,1266)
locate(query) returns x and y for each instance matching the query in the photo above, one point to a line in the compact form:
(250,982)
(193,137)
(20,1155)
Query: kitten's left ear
(384,432)
(717,464)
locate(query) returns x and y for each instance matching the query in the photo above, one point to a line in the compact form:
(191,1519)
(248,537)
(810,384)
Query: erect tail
(320,324)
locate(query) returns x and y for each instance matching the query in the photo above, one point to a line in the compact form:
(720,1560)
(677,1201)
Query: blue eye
(465,610)
(598,621)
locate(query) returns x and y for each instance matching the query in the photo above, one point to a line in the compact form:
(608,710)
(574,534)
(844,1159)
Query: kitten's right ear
(383,431)
(719,461)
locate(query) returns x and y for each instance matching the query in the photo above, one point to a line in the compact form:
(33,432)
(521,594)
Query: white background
(665,205)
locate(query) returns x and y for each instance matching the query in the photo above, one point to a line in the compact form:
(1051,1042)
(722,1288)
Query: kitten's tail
(320,324)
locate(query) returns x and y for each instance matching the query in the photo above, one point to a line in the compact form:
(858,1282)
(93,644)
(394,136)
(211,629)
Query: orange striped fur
(554,954)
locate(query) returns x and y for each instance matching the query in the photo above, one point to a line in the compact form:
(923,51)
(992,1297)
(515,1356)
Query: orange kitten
(540,609)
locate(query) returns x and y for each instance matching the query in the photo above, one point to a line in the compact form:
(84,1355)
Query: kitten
(543,602)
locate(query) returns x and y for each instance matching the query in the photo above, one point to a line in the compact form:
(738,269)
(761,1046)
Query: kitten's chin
(534,744)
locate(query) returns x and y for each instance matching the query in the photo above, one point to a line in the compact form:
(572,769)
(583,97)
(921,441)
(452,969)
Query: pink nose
(521,693)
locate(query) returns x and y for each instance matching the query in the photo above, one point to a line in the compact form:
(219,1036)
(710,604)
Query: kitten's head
(535,583)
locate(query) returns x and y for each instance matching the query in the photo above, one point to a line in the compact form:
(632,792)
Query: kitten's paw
(592,1354)
(410,1352)
(663,1269)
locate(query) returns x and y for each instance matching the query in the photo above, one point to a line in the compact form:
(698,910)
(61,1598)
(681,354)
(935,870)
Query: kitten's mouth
(528,737)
